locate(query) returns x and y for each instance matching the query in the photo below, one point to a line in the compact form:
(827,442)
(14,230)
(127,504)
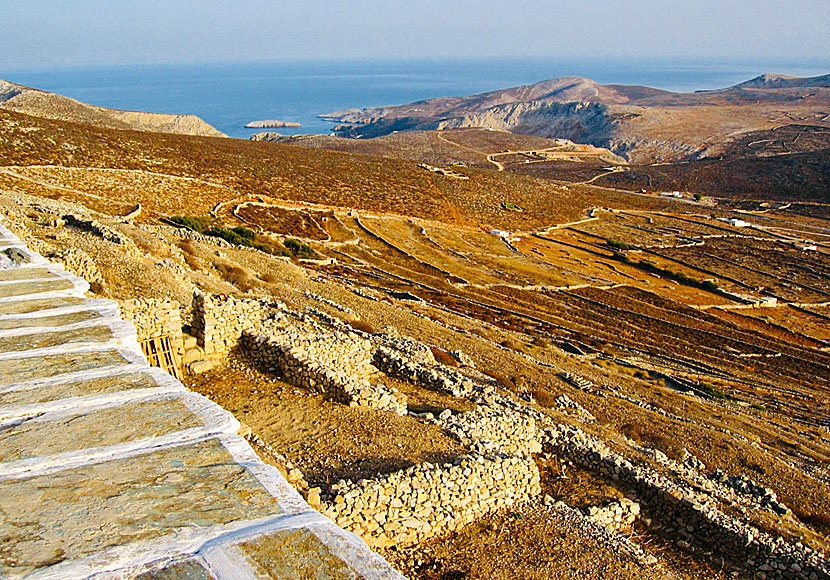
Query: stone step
(111,467)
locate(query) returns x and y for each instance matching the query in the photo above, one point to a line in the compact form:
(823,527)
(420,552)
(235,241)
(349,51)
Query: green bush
(618,245)
(299,249)
(711,390)
(244,233)
(197,224)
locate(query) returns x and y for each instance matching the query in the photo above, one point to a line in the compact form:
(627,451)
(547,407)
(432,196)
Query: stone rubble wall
(691,515)
(219,320)
(154,318)
(490,429)
(427,500)
(435,377)
(79,263)
(406,347)
(324,359)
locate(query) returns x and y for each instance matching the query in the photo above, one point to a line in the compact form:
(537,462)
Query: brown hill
(640,123)
(39,103)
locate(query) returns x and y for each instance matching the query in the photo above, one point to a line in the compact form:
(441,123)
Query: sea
(229,95)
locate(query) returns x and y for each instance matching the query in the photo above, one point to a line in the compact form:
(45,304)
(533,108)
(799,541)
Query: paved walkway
(110,468)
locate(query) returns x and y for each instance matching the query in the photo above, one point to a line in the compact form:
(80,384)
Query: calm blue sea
(230,95)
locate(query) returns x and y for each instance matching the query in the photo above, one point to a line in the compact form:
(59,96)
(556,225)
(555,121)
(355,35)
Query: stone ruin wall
(502,425)
(427,500)
(219,320)
(155,318)
(692,514)
(325,359)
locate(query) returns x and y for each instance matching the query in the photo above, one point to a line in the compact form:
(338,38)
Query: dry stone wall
(490,429)
(691,514)
(433,376)
(219,320)
(427,500)
(317,356)
(154,318)
(78,262)
(618,516)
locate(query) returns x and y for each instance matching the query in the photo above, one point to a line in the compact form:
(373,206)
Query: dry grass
(443,357)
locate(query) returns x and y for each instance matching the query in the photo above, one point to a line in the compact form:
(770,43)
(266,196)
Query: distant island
(267,124)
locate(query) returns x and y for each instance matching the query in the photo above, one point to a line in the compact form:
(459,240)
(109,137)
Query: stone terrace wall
(691,514)
(323,358)
(434,377)
(218,320)
(492,428)
(427,500)
(153,318)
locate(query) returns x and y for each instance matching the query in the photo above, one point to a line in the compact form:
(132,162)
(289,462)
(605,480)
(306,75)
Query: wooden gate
(160,353)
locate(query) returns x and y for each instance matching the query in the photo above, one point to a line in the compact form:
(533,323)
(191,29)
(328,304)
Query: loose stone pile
(571,407)
(218,320)
(323,358)
(428,500)
(616,515)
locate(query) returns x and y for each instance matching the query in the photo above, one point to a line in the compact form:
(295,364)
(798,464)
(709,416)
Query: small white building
(671,194)
(500,233)
(807,247)
(738,223)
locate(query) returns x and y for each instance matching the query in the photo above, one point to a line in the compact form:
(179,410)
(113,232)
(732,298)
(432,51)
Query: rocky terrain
(502,376)
(22,99)
(639,123)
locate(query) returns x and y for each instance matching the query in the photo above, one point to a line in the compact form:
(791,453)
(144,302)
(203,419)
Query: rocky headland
(642,124)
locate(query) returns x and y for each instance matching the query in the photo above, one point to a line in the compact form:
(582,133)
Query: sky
(42,34)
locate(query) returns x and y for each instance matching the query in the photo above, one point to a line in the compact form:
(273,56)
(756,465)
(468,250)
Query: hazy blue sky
(47,33)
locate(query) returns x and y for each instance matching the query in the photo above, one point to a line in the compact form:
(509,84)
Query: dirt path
(46,184)
(488,156)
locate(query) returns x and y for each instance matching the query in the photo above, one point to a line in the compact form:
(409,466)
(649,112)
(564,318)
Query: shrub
(237,276)
(298,248)
(819,520)
(711,390)
(195,223)
(268,277)
(512,345)
(618,245)
(244,233)
(186,246)
(698,196)
(229,236)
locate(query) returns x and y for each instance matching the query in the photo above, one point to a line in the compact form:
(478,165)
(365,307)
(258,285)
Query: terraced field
(687,335)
